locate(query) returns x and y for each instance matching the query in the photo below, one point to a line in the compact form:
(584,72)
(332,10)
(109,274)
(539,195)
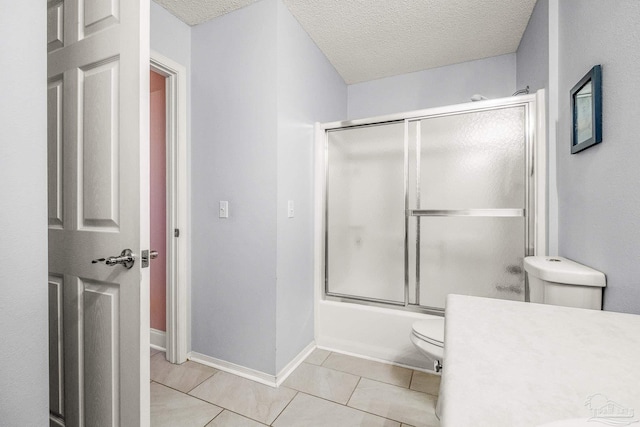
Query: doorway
(158,208)
(168,208)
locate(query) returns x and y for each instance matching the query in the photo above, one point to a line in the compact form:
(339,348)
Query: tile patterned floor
(326,390)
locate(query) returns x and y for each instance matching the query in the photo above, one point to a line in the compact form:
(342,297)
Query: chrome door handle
(126,259)
(153,254)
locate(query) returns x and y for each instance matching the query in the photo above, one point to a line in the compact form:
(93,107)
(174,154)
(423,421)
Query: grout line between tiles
(346,405)
(187,394)
(205,424)
(370,378)
(377,415)
(351,407)
(238,414)
(214,418)
(326,358)
(285,407)
(210,376)
(352,392)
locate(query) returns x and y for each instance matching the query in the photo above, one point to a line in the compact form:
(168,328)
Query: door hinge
(176,232)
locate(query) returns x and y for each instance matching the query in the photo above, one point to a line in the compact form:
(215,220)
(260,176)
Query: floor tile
(322,382)
(181,377)
(231,419)
(396,403)
(246,397)
(427,383)
(369,369)
(170,408)
(153,352)
(317,356)
(309,411)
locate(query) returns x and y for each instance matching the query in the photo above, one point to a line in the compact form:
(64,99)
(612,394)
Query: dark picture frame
(586,111)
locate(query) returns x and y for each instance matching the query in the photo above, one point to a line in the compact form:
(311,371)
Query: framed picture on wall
(586,108)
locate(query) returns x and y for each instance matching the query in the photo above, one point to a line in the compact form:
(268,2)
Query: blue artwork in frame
(586,110)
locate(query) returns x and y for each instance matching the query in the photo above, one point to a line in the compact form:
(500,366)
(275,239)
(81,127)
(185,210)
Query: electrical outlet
(223,212)
(290,211)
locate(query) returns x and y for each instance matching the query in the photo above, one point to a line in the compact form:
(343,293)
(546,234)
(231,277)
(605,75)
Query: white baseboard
(291,366)
(252,374)
(158,339)
(232,368)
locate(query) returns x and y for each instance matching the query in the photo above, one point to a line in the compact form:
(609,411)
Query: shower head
(521,91)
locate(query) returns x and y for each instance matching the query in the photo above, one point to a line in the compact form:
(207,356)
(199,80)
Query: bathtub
(375,333)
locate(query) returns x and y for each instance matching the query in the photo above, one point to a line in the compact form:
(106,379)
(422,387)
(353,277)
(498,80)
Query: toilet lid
(431,329)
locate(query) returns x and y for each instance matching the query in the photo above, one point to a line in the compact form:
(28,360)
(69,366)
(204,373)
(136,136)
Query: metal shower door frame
(528,102)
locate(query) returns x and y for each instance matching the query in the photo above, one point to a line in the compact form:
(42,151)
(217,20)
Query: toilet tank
(559,281)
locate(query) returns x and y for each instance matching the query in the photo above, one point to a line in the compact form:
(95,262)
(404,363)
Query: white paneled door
(98,163)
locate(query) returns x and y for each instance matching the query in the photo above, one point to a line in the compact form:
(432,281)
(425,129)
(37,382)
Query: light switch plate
(223,212)
(290,211)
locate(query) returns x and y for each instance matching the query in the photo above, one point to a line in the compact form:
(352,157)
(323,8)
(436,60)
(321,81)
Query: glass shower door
(365,217)
(469,205)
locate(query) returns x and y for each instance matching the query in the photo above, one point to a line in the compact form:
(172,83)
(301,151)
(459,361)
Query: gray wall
(259,84)
(598,190)
(309,90)
(234,158)
(532,69)
(24,395)
(170,36)
(532,57)
(493,77)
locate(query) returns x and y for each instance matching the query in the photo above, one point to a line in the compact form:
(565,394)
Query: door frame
(177,207)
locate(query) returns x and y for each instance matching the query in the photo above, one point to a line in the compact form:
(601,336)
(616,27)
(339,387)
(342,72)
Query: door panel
(99,146)
(98,14)
(98,206)
(365,201)
(55,25)
(54,152)
(56,346)
(470,198)
(101,335)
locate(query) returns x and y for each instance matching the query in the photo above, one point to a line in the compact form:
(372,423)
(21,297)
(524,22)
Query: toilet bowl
(428,337)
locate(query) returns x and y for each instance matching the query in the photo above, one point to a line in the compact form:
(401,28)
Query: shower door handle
(468,212)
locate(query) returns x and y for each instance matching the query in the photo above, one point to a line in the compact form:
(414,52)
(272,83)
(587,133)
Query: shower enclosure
(434,202)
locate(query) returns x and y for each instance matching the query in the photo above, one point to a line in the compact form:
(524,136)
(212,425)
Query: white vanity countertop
(511,364)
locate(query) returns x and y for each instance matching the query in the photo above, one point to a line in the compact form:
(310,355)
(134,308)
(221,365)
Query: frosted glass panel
(471,256)
(473,160)
(365,205)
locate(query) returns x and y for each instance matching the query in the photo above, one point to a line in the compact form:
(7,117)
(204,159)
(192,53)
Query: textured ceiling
(194,12)
(371,39)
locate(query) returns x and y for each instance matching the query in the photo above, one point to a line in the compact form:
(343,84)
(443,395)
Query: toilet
(559,281)
(428,337)
(551,280)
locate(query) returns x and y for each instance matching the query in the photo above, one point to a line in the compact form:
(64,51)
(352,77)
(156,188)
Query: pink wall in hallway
(158,201)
